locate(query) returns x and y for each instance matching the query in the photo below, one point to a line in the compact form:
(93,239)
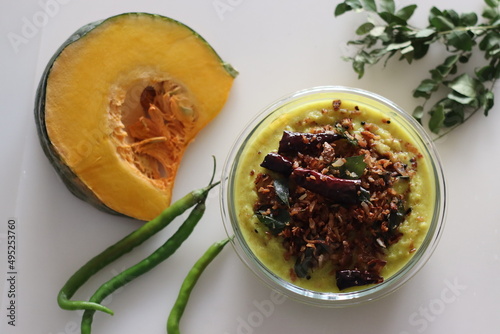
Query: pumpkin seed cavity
(151,120)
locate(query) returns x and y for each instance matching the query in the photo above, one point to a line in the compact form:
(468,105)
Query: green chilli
(123,247)
(158,256)
(192,277)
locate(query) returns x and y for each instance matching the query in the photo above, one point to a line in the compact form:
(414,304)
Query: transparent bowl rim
(333,299)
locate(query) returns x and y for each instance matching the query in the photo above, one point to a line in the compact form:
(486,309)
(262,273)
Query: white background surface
(278,47)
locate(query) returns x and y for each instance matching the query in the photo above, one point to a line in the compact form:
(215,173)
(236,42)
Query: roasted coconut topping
(154,118)
(332,198)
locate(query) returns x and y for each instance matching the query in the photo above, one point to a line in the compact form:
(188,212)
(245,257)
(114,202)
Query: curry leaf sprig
(387,33)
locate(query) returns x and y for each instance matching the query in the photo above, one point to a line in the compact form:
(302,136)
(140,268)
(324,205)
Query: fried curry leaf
(344,133)
(354,167)
(275,223)
(364,195)
(396,217)
(304,263)
(282,190)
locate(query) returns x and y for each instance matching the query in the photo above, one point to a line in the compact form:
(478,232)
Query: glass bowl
(278,116)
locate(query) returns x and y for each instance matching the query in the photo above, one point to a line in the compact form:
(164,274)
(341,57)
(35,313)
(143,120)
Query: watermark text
(30,25)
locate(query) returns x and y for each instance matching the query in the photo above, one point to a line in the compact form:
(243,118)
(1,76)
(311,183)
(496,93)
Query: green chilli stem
(158,256)
(122,247)
(173,322)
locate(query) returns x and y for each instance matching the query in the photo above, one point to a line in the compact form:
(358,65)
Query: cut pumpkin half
(119,103)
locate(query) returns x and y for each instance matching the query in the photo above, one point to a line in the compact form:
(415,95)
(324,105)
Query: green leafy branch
(387,33)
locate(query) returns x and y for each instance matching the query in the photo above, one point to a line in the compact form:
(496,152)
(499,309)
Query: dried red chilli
(336,189)
(294,142)
(277,163)
(348,278)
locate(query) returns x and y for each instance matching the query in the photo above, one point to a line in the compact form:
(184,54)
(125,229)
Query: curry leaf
(341,131)
(397,46)
(485,73)
(364,195)
(377,31)
(441,23)
(397,216)
(465,85)
(426,87)
(462,99)
(275,223)
(468,19)
(461,34)
(487,101)
(304,263)
(341,8)
(492,3)
(490,13)
(452,16)
(407,12)
(424,33)
(391,19)
(418,113)
(460,40)
(354,4)
(369,5)
(454,118)
(420,49)
(490,43)
(365,28)
(449,66)
(387,6)
(282,190)
(437,119)
(352,168)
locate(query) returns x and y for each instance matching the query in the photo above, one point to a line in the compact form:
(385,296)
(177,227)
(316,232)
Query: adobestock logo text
(30,25)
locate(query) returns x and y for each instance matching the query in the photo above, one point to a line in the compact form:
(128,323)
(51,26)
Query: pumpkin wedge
(118,104)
